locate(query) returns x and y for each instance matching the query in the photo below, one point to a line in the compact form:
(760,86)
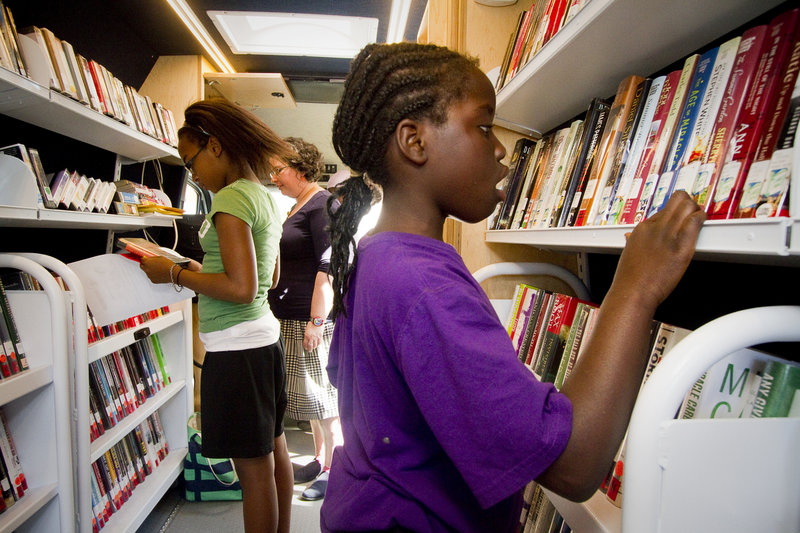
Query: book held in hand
(144,248)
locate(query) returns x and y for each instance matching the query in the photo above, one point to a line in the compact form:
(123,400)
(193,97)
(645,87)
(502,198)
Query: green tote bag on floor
(207,479)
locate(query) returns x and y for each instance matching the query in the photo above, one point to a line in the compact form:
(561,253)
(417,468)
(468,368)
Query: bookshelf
(37,404)
(650,36)
(174,403)
(37,116)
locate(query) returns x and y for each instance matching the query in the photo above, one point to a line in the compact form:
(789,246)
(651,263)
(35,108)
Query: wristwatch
(317,320)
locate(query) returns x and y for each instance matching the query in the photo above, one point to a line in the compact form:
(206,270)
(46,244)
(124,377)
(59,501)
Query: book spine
(740,80)
(683,130)
(11,458)
(778,394)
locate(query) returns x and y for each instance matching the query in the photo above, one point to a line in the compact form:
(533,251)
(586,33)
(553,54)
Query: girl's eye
(486,129)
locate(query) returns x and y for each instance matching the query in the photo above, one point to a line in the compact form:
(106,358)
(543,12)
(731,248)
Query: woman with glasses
(302,300)
(228,151)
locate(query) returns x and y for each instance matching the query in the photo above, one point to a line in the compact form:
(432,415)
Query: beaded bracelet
(175,285)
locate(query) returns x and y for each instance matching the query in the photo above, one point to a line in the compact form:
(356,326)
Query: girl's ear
(409,136)
(214,146)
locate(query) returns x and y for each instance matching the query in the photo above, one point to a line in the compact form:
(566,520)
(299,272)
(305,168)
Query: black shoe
(306,473)
(316,491)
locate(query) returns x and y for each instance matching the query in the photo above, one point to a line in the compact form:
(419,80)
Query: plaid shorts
(311,394)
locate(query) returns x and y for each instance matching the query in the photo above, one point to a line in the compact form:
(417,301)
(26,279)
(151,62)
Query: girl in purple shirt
(443,427)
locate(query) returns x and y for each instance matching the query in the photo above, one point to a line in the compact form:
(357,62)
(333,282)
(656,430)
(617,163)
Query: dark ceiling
(127,36)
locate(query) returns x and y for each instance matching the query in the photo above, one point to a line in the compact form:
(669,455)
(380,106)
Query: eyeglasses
(190,163)
(277,171)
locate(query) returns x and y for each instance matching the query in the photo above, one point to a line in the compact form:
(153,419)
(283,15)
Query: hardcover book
(747,132)
(554,199)
(519,159)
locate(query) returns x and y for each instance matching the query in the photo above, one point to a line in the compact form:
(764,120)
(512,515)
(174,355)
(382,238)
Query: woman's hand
(313,337)
(157,269)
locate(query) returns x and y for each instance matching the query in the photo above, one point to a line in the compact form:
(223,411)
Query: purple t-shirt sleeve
(499,425)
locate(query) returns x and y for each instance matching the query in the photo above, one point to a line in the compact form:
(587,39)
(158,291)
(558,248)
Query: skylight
(294,34)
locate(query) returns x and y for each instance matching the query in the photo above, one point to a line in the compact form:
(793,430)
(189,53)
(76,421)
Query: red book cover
(774,116)
(744,142)
(656,129)
(741,79)
(520,43)
(556,19)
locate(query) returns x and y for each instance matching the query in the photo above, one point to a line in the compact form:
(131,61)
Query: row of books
(75,191)
(122,381)
(124,466)
(97,332)
(721,128)
(535,27)
(38,54)
(13,359)
(548,330)
(539,515)
(12,479)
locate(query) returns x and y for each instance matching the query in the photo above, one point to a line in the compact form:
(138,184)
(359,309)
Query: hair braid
(386,83)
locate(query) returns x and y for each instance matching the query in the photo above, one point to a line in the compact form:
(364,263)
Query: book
(596,119)
(775,115)
(60,65)
(539,172)
(542,316)
(606,149)
(551,151)
(539,205)
(637,146)
(554,197)
(11,459)
(144,248)
(41,179)
(88,82)
(555,336)
(739,82)
(727,389)
(612,179)
(740,152)
(59,182)
(779,391)
(8,31)
(81,92)
(530,333)
(519,159)
(531,172)
(37,58)
(573,342)
(528,297)
(774,195)
(683,130)
(17,345)
(665,337)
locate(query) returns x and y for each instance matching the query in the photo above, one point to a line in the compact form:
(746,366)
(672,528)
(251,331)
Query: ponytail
(356,197)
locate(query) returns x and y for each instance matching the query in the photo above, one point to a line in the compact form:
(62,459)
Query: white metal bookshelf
(606,41)
(36,403)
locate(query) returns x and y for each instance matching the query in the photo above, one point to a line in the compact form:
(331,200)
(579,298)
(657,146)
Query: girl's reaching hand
(660,249)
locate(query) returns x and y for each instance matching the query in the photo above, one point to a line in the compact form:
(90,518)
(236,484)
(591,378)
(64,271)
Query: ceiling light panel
(294,34)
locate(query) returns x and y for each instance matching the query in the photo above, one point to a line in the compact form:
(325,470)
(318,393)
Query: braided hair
(386,84)
(246,139)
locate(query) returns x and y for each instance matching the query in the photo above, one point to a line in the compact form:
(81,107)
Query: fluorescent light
(294,34)
(198,30)
(398,20)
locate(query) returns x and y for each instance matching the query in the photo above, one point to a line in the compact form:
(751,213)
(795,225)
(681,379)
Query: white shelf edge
(146,495)
(32,217)
(127,337)
(771,237)
(127,424)
(33,500)
(18,385)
